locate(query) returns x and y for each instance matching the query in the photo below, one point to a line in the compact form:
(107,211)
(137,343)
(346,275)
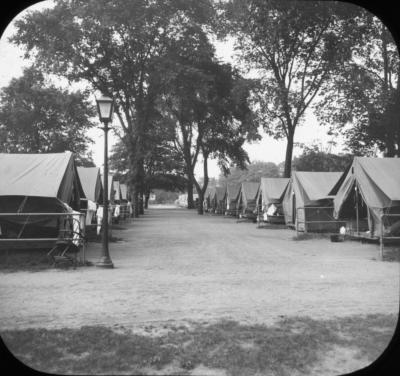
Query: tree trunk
(139,182)
(141,203)
(190,201)
(136,204)
(201,199)
(146,201)
(289,154)
(133,173)
(131,200)
(201,191)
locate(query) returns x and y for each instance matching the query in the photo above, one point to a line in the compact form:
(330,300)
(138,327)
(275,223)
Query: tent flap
(91,182)
(377,181)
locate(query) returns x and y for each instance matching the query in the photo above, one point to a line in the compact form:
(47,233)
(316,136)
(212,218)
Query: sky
(267,149)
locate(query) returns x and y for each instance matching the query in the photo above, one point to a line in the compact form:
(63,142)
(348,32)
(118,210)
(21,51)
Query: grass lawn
(294,345)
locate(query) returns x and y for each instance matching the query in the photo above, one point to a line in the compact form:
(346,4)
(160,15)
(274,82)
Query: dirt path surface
(174,265)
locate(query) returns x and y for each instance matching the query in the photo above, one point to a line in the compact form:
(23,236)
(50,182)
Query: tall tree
(315,159)
(362,100)
(294,45)
(163,166)
(38,117)
(208,102)
(120,48)
(252,172)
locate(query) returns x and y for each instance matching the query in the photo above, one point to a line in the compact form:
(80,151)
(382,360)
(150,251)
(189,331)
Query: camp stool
(65,252)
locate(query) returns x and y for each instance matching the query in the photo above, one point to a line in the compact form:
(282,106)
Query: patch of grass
(293,344)
(311,235)
(30,260)
(391,254)
(21,259)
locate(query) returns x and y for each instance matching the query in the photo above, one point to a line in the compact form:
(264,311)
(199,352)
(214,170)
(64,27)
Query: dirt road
(174,265)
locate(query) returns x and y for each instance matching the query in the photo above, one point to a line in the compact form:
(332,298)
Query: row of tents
(365,199)
(40,193)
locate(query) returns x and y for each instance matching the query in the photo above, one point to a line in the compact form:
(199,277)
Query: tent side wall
(248,197)
(323,217)
(99,189)
(57,177)
(292,200)
(250,206)
(299,209)
(70,190)
(366,182)
(221,203)
(272,192)
(377,202)
(287,204)
(38,226)
(232,197)
(240,202)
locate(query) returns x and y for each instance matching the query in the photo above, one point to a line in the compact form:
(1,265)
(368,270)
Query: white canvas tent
(125,204)
(208,195)
(124,192)
(367,196)
(91,183)
(307,199)
(93,188)
(247,203)
(183,199)
(216,200)
(270,196)
(39,184)
(111,189)
(232,195)
(117,191)
(220,198)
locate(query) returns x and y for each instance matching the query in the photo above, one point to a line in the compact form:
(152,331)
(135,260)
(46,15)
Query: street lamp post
(105,106)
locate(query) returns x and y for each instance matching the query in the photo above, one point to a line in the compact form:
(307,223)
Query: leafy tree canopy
(295,45)
(165,196)
(362,99)
(124,49)
(252,172)
(314,159)
(208,102)
(37,117)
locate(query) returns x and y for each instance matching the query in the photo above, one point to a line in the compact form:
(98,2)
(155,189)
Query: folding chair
(65,251)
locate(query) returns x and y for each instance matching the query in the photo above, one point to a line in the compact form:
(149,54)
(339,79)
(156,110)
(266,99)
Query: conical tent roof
(40,175)
(91,182)
(273,189)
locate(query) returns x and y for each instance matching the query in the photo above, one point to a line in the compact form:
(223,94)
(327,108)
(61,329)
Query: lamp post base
(105,262)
